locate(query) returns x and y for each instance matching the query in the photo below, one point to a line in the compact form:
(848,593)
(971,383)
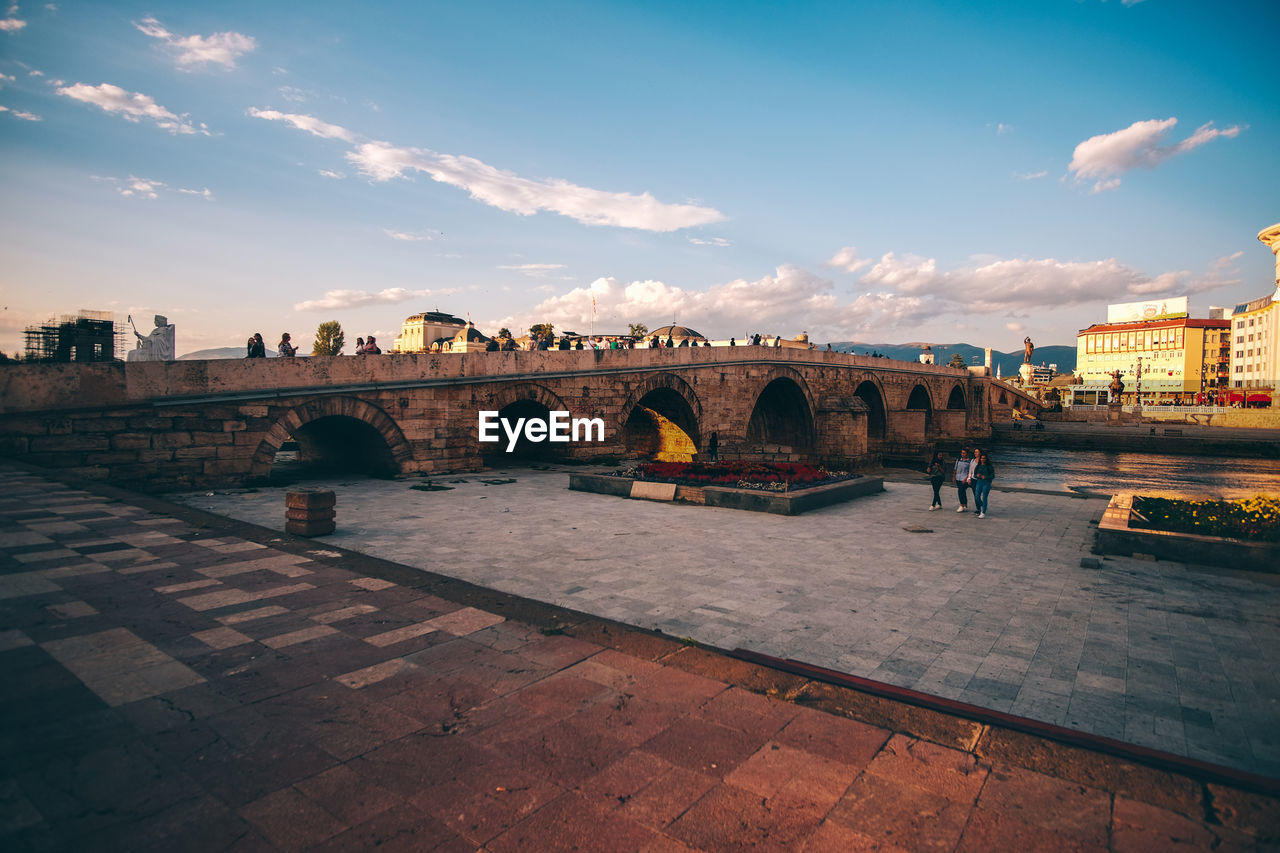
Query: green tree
(504,332)
(638,330)
(329,339)
(541,330)
(957,360)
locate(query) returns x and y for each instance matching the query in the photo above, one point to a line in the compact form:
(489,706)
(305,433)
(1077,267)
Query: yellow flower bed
(1255,519)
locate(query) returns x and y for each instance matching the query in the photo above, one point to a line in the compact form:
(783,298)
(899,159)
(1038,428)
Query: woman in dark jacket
(937,473)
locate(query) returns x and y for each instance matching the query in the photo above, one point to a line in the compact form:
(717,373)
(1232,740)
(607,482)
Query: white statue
(157,346)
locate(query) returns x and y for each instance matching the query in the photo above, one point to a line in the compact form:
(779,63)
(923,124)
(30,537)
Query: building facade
(1255,339)
(421,331)
(1167,361)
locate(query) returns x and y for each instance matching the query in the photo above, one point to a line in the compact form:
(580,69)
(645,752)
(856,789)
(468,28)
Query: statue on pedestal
(157,346)
(1027,349)
(1117,387)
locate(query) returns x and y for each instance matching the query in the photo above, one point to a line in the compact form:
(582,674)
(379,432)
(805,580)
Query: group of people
(970,472)
(257,348)
(369,347)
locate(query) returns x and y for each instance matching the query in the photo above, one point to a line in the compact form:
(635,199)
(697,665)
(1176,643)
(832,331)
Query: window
(1239,353)
(1251,339)
(1239,339)
(1239,369)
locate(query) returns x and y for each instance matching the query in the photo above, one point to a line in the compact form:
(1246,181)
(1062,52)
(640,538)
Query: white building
(1255,337)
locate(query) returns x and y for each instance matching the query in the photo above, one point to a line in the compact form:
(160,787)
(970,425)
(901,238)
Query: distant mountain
(219,352)
(1008,362)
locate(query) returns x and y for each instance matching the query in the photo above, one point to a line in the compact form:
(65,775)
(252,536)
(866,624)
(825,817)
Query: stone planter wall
(1115,536)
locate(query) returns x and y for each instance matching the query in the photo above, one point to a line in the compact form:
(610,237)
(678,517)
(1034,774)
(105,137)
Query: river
(1110,471)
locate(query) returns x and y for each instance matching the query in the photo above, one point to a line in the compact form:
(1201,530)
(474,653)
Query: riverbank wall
(1180,439)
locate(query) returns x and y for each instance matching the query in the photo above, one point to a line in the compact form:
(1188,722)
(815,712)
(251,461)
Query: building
(1164,356)
(469,339)
(88,336)
(421,331)
(1255,339)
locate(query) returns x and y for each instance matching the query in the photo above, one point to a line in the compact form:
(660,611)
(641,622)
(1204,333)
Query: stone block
(653,491)
(312,499)
(171,440)
(130,441)
(309,528)
(68,443)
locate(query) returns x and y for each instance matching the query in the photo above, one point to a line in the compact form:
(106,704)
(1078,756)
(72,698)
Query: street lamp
(1137,396)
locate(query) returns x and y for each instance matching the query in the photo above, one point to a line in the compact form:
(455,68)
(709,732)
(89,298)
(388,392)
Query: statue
(157,346)
(1027,349)
(1116,386)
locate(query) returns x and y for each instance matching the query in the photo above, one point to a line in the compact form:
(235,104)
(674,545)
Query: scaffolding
(87,336)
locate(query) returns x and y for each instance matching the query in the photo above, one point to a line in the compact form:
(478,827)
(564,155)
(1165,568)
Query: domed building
(470,339)
(676,333)
(421,332)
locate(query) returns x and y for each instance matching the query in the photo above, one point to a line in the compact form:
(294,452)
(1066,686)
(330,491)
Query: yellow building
(1182,360)
(421,331)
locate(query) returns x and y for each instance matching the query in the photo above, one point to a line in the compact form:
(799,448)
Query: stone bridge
(217,423)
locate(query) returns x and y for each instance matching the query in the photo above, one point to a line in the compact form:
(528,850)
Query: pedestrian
(670,343)
(371,346)
(937,473)
(962,480)
(732,342)
(257,347)
(359,346)
(286,349)
(983,473)
(713,447)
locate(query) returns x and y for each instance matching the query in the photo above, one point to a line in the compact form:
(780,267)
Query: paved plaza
(996,612)
(180,682)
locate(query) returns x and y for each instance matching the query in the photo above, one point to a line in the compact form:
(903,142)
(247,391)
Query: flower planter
(1116,536)
(791,502)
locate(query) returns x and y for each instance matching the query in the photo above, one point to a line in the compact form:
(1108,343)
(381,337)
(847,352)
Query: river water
(1109,472)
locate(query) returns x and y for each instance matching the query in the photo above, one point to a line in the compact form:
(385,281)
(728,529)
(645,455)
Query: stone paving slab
(480,733)
(995,612)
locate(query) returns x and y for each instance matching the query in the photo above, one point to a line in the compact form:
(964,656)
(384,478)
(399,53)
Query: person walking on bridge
(962,473)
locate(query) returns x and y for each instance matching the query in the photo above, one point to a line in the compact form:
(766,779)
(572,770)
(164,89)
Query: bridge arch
(661,418)
(523,400)
(870,392)
(340,433)
(955,400)
(918,401)
(783,412)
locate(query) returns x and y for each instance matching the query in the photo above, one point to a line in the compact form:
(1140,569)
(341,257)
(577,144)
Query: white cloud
(847,259)
(525,196)
(294,94)
(329,173)
(714,241)
(338,299)
(21,114)
(531,268)
(1104,158)
(1015,327)
(406,236)
(993,286)
(35,73)
(788,302)
(382,161)
(195,51)
(132,106)
(1028,176)
(1002,129)
(11,25)
(148,188)
(7,78)
(310,124)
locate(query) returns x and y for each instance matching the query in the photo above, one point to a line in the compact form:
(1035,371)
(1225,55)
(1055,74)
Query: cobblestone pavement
(168,689)
(996,612)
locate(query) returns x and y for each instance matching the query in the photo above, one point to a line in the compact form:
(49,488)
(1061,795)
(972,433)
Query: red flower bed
(772,476)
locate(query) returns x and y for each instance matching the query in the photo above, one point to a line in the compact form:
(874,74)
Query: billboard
(1157,309)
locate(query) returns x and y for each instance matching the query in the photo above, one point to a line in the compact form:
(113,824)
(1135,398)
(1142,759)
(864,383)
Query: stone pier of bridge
(180,424)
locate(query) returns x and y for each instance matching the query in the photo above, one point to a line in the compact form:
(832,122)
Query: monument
(1024,369)
(157,346)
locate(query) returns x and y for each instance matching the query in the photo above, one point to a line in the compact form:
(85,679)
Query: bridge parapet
(183,424)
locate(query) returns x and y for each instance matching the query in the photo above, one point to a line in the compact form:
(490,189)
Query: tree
(329,339)
(504,332)
(541,330)
(957,360)
(638,330)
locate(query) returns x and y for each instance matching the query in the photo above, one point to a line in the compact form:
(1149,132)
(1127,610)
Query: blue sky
(909,171)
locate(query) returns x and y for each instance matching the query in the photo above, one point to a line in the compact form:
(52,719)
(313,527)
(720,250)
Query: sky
(939,172)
